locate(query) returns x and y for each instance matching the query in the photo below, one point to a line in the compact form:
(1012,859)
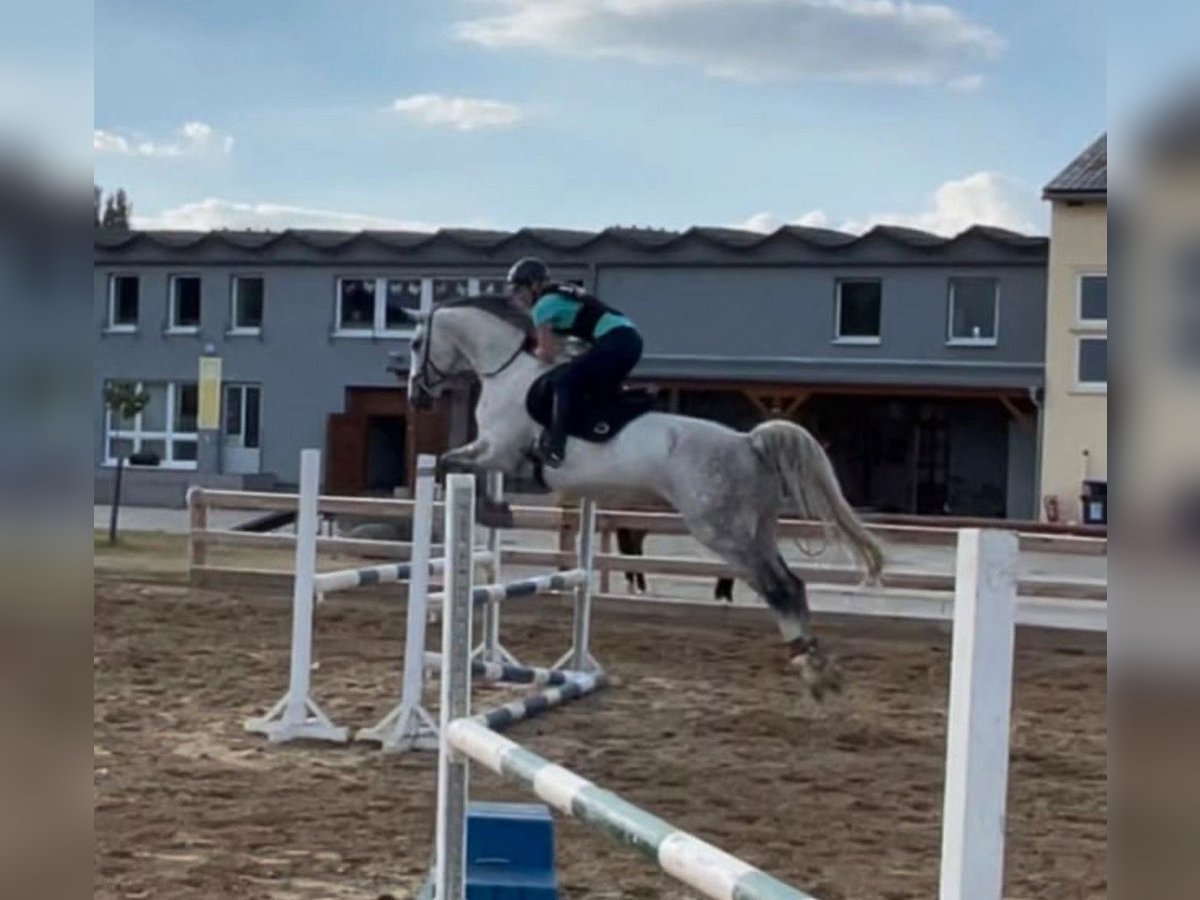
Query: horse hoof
(820,675)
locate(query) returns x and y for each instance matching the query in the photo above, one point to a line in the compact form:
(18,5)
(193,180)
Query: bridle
(428,367)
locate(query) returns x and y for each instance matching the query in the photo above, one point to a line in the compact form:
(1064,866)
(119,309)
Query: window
(403,297)
(185,303)
(450,289)
(360,314)
(859,306)
(356,304)
(493,287)
(248,293)
(974,311)
(123,291)
(166,426)
(1093,300)
(1092,366)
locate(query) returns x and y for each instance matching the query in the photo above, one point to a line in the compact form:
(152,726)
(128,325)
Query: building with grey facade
(918,360)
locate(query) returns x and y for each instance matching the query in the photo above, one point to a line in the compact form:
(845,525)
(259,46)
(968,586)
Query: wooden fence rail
(563,522)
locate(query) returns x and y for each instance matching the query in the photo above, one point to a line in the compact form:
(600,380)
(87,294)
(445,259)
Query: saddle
(593,419)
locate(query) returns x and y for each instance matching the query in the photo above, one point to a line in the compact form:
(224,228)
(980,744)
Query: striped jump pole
(506,673)
(347,579)
(703,867)
(488,594)
(537,703)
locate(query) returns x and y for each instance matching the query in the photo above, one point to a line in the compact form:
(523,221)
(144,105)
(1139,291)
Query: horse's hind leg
(748,546)
(787,596)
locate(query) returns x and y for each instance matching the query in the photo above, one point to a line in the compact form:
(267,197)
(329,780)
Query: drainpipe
(1037,396)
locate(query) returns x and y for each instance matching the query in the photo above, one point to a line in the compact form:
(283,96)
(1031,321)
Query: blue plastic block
(510,852)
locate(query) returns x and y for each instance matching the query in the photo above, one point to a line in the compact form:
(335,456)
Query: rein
(429,367)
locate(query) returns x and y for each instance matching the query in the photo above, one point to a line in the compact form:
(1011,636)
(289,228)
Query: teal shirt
(559,313)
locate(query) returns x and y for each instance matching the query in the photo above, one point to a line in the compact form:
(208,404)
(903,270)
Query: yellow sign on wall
(209,414)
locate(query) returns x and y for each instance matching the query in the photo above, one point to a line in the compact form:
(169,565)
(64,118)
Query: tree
(117,211)
(124,401)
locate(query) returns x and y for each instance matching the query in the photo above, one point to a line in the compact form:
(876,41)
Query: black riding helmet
(527,271)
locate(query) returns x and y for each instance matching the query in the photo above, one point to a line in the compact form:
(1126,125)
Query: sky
(590,113)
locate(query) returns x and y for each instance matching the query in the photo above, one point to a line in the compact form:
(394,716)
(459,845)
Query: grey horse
(728,486)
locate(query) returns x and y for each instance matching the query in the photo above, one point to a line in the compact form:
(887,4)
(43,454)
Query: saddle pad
(590,419)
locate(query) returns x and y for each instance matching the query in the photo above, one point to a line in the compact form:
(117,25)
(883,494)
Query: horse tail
(807,477)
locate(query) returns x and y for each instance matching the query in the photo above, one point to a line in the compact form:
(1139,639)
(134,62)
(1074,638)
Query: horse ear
(418,317)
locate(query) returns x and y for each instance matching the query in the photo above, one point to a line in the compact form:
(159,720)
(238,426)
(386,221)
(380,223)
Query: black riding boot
(553,444)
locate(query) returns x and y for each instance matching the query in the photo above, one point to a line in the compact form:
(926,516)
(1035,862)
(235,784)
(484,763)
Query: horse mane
(501,307)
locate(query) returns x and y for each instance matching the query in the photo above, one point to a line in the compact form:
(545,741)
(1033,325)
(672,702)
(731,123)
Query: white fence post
(450,871)
(977,738)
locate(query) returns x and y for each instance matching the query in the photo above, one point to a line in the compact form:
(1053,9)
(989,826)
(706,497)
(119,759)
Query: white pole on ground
(579,658)
(977,739)
(296,715)
(409,726)
(450,871)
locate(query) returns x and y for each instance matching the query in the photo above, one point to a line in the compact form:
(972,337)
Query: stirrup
(550,455)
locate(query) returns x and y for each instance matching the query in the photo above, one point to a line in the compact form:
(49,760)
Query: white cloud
(459,113)
(966,84)
(985,198)
(766,222)
(890,41)
(191,139)
(214,213)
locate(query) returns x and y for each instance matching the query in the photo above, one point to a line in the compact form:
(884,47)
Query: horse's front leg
(469,456)
(483,455)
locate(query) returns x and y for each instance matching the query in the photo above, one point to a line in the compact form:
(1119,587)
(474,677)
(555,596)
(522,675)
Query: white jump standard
(409,725)
(297,715)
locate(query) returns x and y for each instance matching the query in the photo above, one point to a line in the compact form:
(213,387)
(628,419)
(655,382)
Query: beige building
(1075,416)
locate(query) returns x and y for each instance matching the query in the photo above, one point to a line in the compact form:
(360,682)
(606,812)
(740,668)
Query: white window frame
(1088,387)
(168,436)
(1080,321)
(111,325)
(378,327)
(243,330)
(951,340)
(860,340)
(172,281)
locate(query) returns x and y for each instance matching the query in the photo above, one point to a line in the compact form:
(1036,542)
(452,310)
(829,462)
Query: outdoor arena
(702,722)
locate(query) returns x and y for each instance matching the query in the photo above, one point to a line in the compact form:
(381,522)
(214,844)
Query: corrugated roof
(1086,176)
(556,239)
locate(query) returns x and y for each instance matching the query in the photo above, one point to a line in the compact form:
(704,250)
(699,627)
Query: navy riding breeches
(601,369)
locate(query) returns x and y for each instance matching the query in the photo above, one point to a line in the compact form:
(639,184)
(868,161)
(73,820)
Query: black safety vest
(591,309)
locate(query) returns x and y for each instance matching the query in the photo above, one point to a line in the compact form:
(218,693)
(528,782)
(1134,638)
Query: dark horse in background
(631,542)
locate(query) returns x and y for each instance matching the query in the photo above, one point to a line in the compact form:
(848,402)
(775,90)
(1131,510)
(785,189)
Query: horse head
(434,359)
(478,336)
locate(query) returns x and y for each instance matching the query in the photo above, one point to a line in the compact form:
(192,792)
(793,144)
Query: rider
(564,310)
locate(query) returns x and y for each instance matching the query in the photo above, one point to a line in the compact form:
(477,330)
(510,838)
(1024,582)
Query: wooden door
(346,454)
